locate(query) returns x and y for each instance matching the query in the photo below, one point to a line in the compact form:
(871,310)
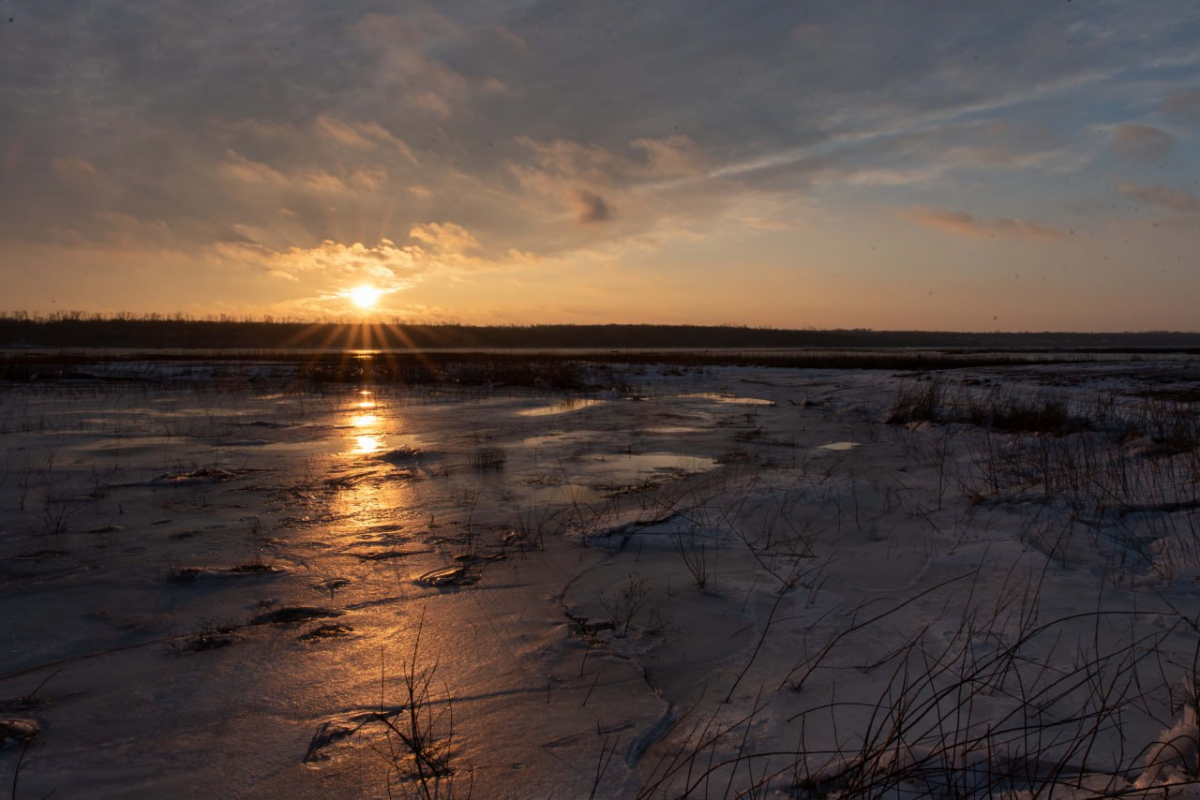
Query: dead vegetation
(419,739)
(993,691)
(210,636)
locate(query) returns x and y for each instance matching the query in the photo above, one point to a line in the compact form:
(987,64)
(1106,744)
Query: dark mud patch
(18,731)
(195,574)
(256,568)
(327,631)
(291,615)
(210,637)
(347,480)
(201,475)
(387,555)
(457,575)
(384,532)
(480,558)
(186,574)
(410,456)
(26,703)
(585,626)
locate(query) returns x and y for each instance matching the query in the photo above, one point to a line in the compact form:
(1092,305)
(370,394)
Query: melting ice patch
(720,397)
(561,407)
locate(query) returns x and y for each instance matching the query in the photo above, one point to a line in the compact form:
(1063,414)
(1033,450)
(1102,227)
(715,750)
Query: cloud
(575,160)
(591,207)
(72,168)
(407,67)
(384,264)
(363,135)
(118,230)
(1141,142)
(445,238)
(243,169)
(613,195)
(673,157)
(313,180)
(1183,104)
(565,128)
(342,133)
(1162,197)
(961,223)
(937,151)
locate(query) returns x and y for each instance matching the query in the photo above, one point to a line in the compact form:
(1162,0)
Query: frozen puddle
(719,397)
(583,585)
(592,476)
(621,466)
(643,463)
(672,430)
(558,438)
(561,407)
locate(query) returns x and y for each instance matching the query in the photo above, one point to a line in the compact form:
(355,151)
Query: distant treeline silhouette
(160,332)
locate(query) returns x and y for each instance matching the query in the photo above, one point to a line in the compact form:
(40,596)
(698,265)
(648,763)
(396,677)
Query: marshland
(530,400)
(569,577)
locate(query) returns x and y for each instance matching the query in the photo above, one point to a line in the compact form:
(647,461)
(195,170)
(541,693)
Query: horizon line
(61,317)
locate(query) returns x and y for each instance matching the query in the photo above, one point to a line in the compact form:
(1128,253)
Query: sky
(886,164)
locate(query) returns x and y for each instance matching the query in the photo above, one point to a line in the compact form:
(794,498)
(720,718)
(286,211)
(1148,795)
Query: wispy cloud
(1183,104)
(1162,197)
(962,223)
(1142,142)
(72,168)
(364,135)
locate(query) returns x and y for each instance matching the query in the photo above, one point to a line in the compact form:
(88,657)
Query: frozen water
(239,592)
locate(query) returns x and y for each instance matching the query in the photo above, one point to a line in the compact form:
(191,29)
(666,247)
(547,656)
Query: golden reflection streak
(366,503)
(367,444)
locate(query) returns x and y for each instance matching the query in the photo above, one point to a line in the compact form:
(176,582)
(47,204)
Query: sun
(365,297)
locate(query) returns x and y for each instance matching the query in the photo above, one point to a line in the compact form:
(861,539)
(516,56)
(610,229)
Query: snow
(726,580)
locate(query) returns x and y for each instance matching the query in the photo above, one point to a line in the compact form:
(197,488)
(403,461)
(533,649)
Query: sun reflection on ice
(364,445)
(373,495)
(372,506)
(368,437)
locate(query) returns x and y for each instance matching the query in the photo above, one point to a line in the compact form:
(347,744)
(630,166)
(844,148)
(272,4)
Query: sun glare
(364,445)
(365,297)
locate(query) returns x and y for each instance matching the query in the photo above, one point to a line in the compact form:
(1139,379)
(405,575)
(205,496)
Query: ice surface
(270,591)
